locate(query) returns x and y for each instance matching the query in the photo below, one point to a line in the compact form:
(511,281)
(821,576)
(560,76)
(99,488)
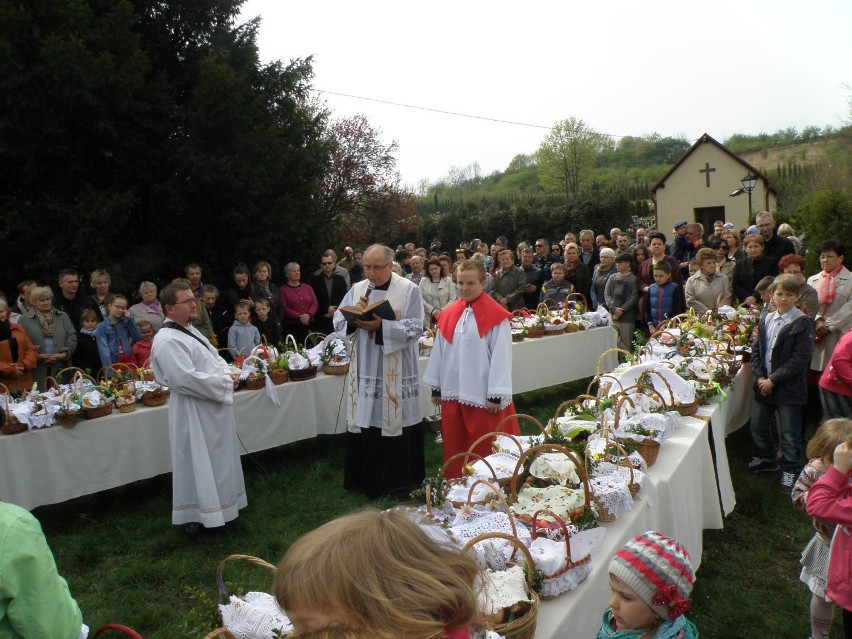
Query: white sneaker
(787,481)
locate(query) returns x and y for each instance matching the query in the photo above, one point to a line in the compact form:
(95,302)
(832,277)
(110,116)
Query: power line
(413,106)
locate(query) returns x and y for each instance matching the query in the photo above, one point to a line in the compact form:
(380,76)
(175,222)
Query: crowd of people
(467,296)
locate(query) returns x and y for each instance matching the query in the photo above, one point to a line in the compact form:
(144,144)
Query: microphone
(370,288)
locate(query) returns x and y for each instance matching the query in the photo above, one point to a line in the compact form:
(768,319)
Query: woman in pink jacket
(835,383)
(830,498)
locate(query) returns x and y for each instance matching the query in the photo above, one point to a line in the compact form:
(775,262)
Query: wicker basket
(11,425)
(522,627)
(224,595)
(649,449)
(521,475)
(335,369)
(256,383)
(569,565)
(93,412)
(67,419)
(156,397)
(279,376)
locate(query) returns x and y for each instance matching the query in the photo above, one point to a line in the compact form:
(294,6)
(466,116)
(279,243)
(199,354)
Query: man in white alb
(207,478)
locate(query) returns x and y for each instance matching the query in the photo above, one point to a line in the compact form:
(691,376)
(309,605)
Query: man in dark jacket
(774,245)
(70,300)
(329,288)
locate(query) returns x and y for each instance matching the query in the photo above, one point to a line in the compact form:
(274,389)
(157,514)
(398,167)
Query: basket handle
(582,297)
(520,416)
(500,498)
(560,522)
(598,378)
(118,628)
(495,435)
(220,582)
(628,356)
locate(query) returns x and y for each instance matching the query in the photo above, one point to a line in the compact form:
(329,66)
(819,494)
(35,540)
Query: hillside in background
(628,167)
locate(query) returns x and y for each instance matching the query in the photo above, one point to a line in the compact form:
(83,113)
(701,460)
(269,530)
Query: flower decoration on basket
(125,396)
(279,369)
(254,372)
(334,356)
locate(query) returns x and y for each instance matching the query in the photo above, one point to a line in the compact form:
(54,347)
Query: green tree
(137,135)
(568,154)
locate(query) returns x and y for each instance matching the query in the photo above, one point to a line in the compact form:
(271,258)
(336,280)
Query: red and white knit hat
(657,569)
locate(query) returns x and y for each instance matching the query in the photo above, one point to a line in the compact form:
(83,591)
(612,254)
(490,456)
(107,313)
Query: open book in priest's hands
(381,309)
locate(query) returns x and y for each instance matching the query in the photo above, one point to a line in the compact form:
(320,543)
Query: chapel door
(707,215)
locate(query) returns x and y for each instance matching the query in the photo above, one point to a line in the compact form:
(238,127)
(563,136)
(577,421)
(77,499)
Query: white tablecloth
(55,464)
(726,418)
(686,503)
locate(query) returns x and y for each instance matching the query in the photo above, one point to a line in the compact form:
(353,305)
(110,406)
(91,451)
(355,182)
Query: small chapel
(710,183)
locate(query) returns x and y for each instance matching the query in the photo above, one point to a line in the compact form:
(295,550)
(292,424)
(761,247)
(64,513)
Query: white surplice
(207,477)
(370,404)
(472,369)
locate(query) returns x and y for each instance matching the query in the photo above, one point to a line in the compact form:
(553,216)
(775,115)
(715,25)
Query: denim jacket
(108,336)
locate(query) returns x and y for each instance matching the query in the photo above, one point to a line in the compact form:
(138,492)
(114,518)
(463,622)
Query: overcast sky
(626,68)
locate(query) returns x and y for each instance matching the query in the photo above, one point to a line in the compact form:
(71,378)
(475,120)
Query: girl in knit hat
(651,580)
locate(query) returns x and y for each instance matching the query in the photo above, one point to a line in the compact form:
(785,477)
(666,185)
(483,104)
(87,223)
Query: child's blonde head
(828,436)
(380,572)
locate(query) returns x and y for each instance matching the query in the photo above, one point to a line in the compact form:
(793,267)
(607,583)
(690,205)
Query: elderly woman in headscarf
(51,332)
(149,309)
(18,356)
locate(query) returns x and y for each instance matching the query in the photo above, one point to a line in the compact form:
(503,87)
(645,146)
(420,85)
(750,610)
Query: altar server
(470,368)
(207,478)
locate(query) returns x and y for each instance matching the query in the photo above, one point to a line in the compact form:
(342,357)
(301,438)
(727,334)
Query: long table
(686,503)
(55,464)
(725,418)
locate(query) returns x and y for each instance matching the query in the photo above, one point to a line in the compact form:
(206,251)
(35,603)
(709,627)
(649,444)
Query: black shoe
(758,465)
(199,534)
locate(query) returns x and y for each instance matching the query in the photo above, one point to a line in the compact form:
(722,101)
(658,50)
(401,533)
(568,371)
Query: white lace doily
(503,589)
(256,617)
(555,466)
(558,499)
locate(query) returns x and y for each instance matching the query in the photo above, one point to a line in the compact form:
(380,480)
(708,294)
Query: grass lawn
(126,564)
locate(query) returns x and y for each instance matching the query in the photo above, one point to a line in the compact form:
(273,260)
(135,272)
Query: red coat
(27,355)
(141,352)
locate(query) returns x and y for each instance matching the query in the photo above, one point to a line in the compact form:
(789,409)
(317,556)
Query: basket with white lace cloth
(508,586)
(471,519)
(529,496)
(257,614)
(612,478)
(564,559)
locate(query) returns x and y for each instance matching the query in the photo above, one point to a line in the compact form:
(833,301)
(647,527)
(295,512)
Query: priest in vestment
(384,446)
(207,478)
(470,368)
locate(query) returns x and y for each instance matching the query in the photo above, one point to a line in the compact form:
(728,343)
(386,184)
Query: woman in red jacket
(18,356)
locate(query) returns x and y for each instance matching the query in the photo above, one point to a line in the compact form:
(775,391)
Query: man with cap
(680,246)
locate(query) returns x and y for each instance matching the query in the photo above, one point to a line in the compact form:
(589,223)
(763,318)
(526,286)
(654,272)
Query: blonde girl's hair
(379,571)
(829,436)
